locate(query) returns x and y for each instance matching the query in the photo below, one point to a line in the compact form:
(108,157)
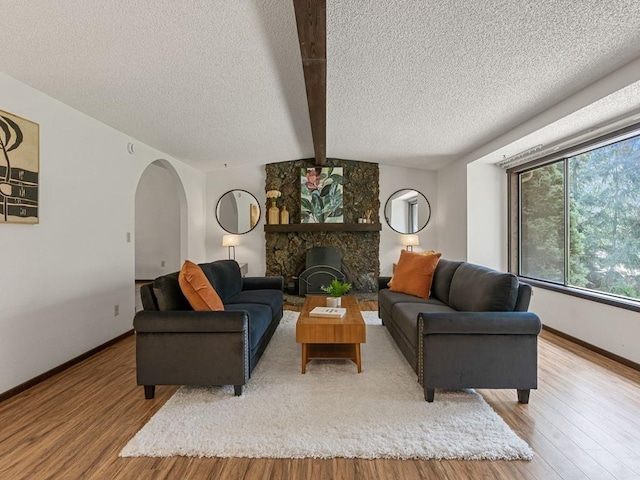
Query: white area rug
(331,411)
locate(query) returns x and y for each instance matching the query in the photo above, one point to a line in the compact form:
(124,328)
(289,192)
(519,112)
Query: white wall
(451,216)
(486,215)
(612,329)
(62,278)
(251,249)
(157,224)
(393,179)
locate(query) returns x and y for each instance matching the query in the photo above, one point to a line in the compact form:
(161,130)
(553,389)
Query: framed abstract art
(19,169)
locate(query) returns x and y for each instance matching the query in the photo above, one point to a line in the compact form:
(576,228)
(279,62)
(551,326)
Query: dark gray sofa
(473,332)
(178,346)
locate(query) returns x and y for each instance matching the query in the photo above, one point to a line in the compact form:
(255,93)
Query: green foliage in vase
(336,288)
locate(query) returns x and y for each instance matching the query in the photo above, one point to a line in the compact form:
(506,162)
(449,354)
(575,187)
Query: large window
(579,219)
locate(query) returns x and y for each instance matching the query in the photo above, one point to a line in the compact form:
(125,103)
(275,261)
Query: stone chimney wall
(285,251)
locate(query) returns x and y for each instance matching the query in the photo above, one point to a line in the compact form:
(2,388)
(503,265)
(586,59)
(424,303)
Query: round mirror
(407,211)
(238,211)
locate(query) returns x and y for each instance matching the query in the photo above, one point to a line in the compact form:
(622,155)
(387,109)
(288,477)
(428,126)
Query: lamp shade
(410,240)
(230,240)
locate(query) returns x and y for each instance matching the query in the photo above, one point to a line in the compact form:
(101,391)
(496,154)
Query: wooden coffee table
(331,337)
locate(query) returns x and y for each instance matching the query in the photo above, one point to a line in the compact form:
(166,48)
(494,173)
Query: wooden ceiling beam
(312,35)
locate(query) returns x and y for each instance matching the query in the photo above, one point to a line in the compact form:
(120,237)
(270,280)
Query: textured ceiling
(411,83)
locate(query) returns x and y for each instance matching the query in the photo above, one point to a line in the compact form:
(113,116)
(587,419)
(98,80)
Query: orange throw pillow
(426,252)
(414,273)
(197,289)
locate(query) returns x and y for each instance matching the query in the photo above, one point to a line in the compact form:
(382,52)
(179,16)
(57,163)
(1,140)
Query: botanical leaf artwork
(321,195)
(19,166)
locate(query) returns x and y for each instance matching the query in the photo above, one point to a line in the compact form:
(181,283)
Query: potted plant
(336,289)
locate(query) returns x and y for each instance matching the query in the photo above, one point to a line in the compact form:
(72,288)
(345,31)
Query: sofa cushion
(271,298)
(442,278)
(405,317)
(259,320)
(387,299)
(224,276)
(169,294)
(414,273)
(197,289)
(480,289)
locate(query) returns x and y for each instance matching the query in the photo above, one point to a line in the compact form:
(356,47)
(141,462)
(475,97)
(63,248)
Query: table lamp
(409,241)
(230,241)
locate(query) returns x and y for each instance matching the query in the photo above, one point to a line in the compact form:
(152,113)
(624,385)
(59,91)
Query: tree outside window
(579,220)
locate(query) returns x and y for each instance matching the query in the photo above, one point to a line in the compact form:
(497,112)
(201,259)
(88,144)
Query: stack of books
(328,312)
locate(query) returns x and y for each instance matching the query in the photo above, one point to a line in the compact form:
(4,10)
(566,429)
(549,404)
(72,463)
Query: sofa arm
(481,323)
(263,283)
(383,282)
(149,321)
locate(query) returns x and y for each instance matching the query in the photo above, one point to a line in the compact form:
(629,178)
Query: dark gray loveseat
(178,346)
(473,332)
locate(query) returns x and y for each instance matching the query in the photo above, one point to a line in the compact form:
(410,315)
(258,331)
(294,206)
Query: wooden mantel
(323,227)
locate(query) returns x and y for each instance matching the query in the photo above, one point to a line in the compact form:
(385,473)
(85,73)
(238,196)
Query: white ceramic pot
(334,302)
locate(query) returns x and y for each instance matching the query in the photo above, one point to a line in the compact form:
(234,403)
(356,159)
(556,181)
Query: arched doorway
(160,222)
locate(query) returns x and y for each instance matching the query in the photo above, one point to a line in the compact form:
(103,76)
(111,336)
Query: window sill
(585,294)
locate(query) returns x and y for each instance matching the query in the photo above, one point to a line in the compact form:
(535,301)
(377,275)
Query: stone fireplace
(358,244)
(322,266)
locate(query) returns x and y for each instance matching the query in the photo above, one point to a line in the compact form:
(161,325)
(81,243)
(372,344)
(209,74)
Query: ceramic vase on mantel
(284,215)
(273,213)
(334,302)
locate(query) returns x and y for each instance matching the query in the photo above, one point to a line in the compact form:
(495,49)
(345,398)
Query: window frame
(513,213)
(412,214)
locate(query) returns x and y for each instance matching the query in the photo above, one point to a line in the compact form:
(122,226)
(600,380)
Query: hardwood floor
(582,422)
